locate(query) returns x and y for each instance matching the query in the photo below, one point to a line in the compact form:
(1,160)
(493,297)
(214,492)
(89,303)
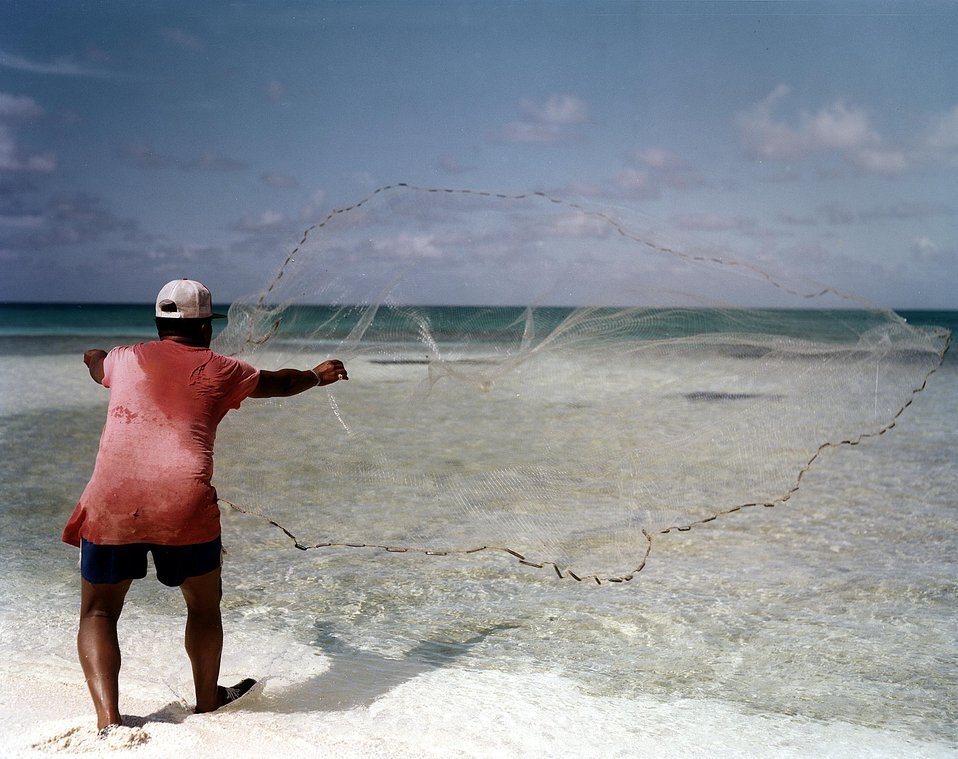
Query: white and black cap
(185,299)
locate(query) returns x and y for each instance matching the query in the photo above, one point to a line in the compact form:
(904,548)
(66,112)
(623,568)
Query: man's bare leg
(98,647)
(204,636)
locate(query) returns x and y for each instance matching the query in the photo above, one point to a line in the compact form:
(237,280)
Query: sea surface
(824,627)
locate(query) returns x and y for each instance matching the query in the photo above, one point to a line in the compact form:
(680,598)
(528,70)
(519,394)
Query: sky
(141,142)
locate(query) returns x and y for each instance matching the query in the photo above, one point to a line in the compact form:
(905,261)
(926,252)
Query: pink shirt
(151,482)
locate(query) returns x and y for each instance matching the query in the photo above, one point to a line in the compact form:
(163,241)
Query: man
(151,490)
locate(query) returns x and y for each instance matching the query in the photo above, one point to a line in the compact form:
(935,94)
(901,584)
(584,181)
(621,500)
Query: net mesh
(601,385)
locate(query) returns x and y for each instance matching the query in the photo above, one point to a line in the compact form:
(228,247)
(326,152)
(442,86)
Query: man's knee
(103,600)
(203,593)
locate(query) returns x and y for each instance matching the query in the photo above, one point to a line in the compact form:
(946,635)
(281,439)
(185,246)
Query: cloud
(63,66)
(182,39)
(940,143)
(560,110)
(315,208)
(265,221)
(637,183)
(659,158)
(65,219)
(544,123)
(275,91)
(656,169)
(19,107)
(928,252)
(145,157)
(212,162)
(582,225)
(838,214)
(795,220)
(713,222)
(525,133)
(838,128)
(925,250)
(406,245)
(13,110)
(279,181)
(449,165)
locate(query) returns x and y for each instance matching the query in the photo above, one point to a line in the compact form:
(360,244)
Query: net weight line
(562,573)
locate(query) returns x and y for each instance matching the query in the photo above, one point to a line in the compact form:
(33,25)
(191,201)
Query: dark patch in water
(711,395)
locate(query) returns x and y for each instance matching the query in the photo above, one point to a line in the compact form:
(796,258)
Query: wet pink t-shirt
(151,482)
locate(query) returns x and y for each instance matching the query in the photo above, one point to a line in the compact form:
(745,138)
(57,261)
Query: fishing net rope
(601,385)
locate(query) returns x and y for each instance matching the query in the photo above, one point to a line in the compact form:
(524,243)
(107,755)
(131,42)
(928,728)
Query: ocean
(823,627)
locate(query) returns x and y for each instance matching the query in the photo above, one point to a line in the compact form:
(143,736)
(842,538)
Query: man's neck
(185,341)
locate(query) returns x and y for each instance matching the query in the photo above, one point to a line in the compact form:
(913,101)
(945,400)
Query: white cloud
(13,109)
(408,245)
(313,210)
(940,143)
(637,183)
(281,181)
(182,39)
(713,222)
(146,157)
(943,134)
(212,162)
(879,161)
(655,169)
(924,249)
(544,123)
(62,66)
(658,158)
(18,107)
(262,222)
(558,109)
(837,128)
(582,225)
(765,137)
(449,165)
(275,91)
(143,156)
(528,133)
(24,221)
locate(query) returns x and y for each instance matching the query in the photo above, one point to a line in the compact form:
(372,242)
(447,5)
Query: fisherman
(151,487)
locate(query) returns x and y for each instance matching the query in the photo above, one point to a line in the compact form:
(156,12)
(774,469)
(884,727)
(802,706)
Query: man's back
(151,483)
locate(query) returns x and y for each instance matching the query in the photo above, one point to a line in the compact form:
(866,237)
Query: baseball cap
(185,299)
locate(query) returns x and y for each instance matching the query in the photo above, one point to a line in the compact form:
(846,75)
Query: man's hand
(330,371)
(93,359)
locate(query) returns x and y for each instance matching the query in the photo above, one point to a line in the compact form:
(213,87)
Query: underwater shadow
(358,678)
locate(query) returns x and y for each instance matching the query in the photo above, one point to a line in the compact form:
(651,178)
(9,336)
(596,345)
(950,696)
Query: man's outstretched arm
(286,382)
(93,359)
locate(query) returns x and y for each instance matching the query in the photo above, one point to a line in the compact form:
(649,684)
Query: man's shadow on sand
(358,678)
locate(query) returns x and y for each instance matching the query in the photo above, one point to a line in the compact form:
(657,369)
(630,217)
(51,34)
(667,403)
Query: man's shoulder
(135,346)
(121,350)
(231,365)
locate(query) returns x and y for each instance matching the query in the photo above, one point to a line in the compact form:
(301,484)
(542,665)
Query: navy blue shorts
(111,564)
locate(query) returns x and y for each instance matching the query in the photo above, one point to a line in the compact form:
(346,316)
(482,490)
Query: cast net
(533,377)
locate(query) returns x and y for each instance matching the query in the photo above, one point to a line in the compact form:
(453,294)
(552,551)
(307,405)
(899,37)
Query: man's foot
(104,732)
(229,695)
